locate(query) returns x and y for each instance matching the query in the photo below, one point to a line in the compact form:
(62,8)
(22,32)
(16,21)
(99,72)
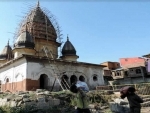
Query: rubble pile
(119,106)
(42,101)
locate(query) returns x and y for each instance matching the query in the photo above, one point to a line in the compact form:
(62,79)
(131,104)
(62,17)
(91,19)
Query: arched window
(81,78)
(95,77)
(7,80)
(73,79)
(64,81)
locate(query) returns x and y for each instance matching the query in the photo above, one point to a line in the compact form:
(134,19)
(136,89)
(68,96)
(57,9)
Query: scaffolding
(47,32)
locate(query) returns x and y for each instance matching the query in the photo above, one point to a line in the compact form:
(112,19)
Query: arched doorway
(43,81)
(7,84)
(64,81)
(73,79)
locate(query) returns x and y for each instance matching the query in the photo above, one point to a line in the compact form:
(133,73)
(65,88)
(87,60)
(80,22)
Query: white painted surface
(21,69)
(35,70)
(15,72)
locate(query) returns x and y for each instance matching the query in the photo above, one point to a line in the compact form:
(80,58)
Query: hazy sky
(100,31)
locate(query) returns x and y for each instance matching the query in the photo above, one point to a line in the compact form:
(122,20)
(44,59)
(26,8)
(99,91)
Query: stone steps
(146,104)
(146,99)
(144,96)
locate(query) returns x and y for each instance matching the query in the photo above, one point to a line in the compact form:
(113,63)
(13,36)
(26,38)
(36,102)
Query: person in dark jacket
(134,100)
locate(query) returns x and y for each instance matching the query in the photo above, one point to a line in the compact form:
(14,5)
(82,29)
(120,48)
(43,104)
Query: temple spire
(67,38)
(8,42)
(38,4)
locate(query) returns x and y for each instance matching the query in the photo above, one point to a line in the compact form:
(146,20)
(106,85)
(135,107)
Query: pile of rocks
(119,106)
(40,99)
(46,100)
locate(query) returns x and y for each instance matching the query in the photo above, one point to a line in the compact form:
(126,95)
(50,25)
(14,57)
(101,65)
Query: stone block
(115,107)
(26,100)
(22,92)
(51,102)
(46,92)
(3,103)
(13,103)
(0,103)
(24,96)
(31,92)
(39,90)
(18,99)
(42,104)
(41,93)
(5,99)
(56,102)
(7,103)
(32,103)
(91,106)
(41,99)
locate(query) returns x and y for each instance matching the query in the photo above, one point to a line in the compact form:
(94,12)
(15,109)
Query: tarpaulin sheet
(148,66)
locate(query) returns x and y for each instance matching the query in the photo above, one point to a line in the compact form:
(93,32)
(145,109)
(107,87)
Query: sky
(99,30)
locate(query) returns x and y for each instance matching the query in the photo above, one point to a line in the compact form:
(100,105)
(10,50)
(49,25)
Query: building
(147,63)
(34,62)
(111,65)
(129,62)
(132,70)
(108,70)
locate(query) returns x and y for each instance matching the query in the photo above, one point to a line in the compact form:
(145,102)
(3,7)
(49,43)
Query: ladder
(54,68)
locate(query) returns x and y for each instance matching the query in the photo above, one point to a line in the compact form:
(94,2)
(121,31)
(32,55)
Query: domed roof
(37,15)
(40,23)
(68,48)
(6,52)
(25,40)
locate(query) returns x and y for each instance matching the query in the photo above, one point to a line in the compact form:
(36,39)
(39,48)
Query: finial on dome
(67,38)
(38,4)
(8,42)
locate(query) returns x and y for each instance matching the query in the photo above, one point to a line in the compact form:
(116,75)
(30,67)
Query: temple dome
(6,52)
(40,23)
(25,40)
(37,15)
(68,48)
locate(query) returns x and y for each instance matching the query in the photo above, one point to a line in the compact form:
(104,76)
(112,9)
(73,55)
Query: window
(117,64)
(126,73)
(118,74)
(7,80)
(138,71)
(131,70)
(81,78)
(95,78)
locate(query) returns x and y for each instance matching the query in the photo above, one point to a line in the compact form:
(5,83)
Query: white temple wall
(15,72)
(35,70)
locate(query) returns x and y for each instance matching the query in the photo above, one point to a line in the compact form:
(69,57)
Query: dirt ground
(145,110)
